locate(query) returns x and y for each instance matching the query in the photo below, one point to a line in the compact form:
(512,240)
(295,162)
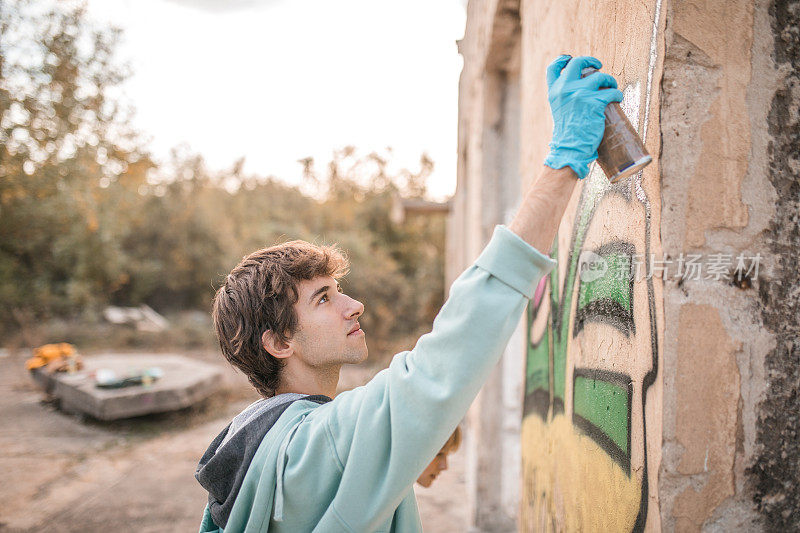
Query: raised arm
(578,107)
(537,219)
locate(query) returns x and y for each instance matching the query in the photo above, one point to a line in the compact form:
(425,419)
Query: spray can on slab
(621,152)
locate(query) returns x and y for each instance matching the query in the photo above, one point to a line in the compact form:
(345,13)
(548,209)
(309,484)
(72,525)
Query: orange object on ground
(47,354)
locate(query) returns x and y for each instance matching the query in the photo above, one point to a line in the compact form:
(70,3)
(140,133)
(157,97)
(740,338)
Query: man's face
(328,331)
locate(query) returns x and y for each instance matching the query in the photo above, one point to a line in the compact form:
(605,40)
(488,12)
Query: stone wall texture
(775,472)
(661,393)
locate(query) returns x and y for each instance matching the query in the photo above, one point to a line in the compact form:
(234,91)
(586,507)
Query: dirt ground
(63,473)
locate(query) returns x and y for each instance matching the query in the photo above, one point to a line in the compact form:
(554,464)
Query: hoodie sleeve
(382,435)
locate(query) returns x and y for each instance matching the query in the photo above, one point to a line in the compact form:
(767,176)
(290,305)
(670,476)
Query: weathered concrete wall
(649,398)
(706,142)
(775,472)
(728,121)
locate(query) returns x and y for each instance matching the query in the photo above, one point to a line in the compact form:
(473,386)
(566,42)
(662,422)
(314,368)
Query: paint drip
(621,152)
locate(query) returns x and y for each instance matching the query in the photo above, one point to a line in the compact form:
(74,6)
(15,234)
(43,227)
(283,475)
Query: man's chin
(360,358)
(356,358)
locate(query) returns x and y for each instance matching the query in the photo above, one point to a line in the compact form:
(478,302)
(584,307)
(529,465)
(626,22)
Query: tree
(64,140)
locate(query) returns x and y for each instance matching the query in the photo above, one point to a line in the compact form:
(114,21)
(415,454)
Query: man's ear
(274,346)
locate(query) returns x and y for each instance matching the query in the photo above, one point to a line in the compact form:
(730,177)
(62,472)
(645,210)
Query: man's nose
(354,308)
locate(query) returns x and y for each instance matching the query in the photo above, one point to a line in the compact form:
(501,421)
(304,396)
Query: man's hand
(577,105)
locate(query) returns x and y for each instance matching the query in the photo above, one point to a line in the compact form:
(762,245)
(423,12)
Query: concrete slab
(185,382)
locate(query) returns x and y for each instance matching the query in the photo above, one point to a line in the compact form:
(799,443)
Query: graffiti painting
(592,356)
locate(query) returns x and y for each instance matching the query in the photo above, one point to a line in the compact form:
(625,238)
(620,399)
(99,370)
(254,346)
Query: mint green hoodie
(349,465)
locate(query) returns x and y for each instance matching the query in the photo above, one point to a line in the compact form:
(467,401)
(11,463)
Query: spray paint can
(621,152)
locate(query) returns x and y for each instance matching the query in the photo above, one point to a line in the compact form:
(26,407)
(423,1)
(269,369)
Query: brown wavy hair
(258,295)
(453,442)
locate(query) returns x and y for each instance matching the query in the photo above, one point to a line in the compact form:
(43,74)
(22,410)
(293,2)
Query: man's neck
(307,380)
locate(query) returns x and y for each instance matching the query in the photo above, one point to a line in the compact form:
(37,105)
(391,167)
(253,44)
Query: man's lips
(356,329)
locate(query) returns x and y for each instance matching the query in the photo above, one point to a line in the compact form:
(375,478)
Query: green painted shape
(559,351)
(613,285)
(605,405)
(537,369)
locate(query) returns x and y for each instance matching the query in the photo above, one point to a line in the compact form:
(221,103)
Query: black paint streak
(650,377)
(538,403)
(608,310)
(775,475)
(605,311)
(558,406)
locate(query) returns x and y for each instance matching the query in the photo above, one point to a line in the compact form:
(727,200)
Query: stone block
(184,383)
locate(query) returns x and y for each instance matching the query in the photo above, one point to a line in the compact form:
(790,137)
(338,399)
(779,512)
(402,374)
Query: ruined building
(663,394)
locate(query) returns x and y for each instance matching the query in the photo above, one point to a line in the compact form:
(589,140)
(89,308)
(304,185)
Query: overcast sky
(278,80)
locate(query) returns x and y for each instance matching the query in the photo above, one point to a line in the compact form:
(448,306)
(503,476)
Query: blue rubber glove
(577,105)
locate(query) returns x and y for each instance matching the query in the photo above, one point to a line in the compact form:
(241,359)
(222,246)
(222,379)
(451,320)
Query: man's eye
(324,298)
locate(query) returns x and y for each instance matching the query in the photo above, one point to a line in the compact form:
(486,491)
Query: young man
(297,461)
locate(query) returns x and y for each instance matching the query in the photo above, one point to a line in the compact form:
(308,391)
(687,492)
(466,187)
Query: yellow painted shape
(570,483)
